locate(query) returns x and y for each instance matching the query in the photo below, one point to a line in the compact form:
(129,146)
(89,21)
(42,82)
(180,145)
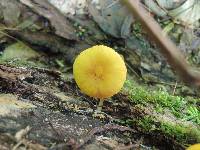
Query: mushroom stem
(99,108)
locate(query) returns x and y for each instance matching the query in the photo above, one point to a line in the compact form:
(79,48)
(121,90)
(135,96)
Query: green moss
(193,114)
(161,100)
(183,134)
(20,54)
(137,29)
(142,95)
(19,50)
(148,124)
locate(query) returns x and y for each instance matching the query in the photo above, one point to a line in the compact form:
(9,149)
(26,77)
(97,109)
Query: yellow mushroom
(194,147)
(99,72)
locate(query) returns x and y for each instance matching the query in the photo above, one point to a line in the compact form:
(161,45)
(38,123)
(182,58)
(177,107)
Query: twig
(174,88)
(167,47)
(6,34)
(22,133)
(17,145)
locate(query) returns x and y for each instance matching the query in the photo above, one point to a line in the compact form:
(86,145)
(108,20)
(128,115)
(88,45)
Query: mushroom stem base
(99,108)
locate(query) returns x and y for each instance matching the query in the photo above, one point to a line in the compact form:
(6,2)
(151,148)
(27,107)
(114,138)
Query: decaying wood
(108,127)
(62,26)
(16,144)
(167,48)
(20,138)
(105,128)
(41,87)
(13,74)
(13,79)
(52,42)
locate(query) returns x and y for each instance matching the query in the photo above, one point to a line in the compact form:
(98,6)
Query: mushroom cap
(99,71)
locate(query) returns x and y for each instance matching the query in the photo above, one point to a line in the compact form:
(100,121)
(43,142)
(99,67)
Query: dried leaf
(11,12)
(62,26)
(188,12)
(112,17)
(153,6)
(170,4)
(70,7)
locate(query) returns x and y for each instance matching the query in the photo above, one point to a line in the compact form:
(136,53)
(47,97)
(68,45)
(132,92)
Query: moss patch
(19,50)
(175,116)
(180,107)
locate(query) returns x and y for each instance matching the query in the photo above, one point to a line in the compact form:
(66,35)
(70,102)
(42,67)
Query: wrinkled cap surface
(99,71)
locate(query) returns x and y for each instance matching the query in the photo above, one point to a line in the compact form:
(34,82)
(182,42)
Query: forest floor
(41,106)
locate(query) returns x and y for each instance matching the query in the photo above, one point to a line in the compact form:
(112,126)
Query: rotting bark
(16,80)
(39,87)
(53,43)
(6,140)
(104,129)
(93,132)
